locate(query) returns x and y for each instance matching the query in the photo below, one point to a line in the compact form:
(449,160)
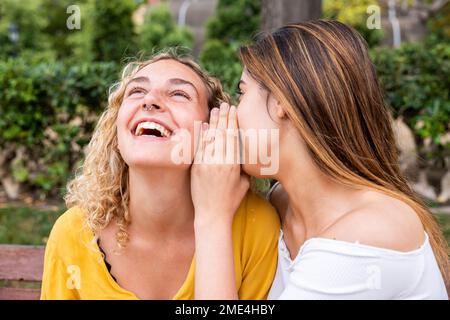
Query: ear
(276,107)
(281,114)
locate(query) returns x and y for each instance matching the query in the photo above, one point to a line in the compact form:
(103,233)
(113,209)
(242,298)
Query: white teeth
(151,125)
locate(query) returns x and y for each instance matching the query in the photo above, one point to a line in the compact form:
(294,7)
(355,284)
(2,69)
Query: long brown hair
(322,73)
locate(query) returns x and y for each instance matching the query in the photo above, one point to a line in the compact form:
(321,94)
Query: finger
(232,144)
(232,118)
(198,135)
(209,147)
(223,116)
(220,138)
(214,118)
(201,143)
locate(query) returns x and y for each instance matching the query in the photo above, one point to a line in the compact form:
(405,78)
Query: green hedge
(160,31)
(49,109)
(48,112)
(416,80)
(234,23)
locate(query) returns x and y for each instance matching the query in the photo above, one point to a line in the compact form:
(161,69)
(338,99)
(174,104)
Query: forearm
(214,272)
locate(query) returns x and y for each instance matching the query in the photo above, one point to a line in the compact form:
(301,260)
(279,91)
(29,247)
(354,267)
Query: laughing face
(162,100)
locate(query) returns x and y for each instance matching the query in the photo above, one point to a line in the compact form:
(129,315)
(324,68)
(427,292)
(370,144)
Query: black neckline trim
(108,266)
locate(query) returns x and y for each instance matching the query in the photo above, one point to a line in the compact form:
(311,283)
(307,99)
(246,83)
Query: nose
(152,102)
(147,107)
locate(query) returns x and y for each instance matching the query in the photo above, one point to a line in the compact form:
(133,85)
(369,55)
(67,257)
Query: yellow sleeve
(260,252)
(58,279)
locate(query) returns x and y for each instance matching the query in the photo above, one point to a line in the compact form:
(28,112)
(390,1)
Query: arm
(214,272)
(214,211)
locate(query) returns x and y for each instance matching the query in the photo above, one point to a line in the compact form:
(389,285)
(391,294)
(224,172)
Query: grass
(444,221)
(20,224)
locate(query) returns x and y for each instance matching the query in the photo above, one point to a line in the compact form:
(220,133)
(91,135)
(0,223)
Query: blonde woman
(351,226)
(132,230)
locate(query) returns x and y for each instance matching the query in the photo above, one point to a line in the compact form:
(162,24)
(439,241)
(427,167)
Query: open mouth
(150,128)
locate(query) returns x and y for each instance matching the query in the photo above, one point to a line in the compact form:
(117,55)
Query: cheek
(187,121)
(187,117)
(123,118)
(252,113)
(244,114)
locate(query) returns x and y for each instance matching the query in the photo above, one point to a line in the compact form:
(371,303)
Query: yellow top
(74,267)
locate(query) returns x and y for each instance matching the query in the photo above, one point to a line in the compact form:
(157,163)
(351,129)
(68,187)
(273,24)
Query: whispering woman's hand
(217,187)
(217,183)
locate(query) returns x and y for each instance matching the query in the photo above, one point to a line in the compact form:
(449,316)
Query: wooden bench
(20,264)
(26,263)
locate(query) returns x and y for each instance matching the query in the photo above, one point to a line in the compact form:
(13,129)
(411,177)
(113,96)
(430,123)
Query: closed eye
(136,90)
(181,94)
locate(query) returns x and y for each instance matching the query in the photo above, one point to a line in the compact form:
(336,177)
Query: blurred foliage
(48,113)
(27,225)
(22,15)
(55,28)
(54,81)
(221,60)
(160,31)
(112,29)
(444,222)
(234,24)
(416,81)
(353,13)
(106,34)
(439,26)
(235,20)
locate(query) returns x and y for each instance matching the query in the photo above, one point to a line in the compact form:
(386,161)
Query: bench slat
(19,294)
(19,262)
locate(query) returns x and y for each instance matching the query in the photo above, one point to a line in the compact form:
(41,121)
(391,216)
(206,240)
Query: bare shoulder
(381,221)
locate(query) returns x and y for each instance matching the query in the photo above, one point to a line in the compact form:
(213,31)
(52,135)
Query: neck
(315,199)
(160,202)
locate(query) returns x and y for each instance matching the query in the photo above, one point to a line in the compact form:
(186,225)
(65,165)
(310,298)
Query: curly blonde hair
(100,187)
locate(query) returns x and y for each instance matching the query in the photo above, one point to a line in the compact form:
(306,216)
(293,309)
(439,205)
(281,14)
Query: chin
(253,170)
(149,160)
(260,171)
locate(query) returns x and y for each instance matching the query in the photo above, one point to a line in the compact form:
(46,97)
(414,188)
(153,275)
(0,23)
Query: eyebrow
(138,79)
(176,81)
(182,81)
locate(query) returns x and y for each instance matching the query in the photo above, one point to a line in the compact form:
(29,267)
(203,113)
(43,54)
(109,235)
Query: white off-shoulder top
(332,269)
